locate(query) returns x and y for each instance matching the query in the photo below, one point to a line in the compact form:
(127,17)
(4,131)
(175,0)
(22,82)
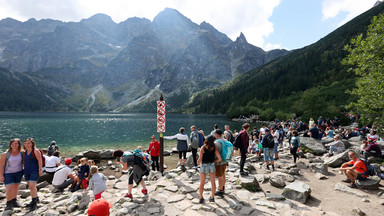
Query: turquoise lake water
(75,132)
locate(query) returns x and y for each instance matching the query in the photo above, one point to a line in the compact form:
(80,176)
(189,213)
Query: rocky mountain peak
(172,20)
(100,19)
(241,39)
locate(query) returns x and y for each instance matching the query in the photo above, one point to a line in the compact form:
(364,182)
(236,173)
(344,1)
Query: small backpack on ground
(34,156)
(226,150)
(370,170)
(238,143)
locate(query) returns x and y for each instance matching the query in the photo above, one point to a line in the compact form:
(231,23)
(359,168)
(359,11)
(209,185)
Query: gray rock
(106,154)
(2,195)
(381,202)
(265,203)
(357,212)
(347,144)
(285,176)
(261,178)
(294,171)
(245,210)
(42,185)
(345,189)
(337,160)
(308,144)
(326,140)
(275,197)
(72,208)
(372,183)
(321,176)
(250,183)
(318,168)
(111,177)
(155,210)
(175,198)
(277,181)
(297,191)
(51,213)
(24,193)
(189,162)
(357,139)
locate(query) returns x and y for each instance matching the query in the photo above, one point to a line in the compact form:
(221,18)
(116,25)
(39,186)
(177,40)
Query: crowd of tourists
(210,156)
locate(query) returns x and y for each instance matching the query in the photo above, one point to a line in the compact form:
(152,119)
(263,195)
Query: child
(91,163)
(81,175)
(97,182)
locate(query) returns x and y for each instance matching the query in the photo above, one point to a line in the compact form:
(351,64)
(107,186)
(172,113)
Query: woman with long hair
(33,169)
(11,172)
(207,161)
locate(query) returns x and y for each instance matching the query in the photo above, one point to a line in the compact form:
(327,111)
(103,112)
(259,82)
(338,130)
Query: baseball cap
(267,130)
(99,207)
(68,161)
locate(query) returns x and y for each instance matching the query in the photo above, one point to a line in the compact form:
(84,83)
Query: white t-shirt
(262,131)
(61,175)
(276,136)
(50,163)
(372,137)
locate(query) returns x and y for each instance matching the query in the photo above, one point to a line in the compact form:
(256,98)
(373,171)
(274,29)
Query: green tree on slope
(366,56)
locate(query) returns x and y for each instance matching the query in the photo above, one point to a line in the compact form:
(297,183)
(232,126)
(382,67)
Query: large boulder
(277,181)
(326,140)
(250,183)
(347,144)
(297,191)
(372,183)
(286,177)
(318,168)
(337,160)
(106,154)
(356,139)
(308,144)
(189,162)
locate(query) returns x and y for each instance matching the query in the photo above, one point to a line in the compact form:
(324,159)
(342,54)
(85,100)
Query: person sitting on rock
(353,169)
(335,146)
(363,146)
(138,170)
(51,164)
(60,178)
(372,150)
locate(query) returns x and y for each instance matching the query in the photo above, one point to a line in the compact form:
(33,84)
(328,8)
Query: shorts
(268,154)
(183,153)
(220,170)
(275,148)
(206,168)
(361,177)
(13,178)
(31,177)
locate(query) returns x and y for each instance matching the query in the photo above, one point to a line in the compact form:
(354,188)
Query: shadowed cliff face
(128,59)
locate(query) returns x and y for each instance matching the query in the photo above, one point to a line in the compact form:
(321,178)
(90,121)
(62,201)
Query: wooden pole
(161,146)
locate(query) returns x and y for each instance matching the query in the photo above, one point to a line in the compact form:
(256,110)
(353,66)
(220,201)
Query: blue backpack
(226,150)
(201,139)
(370,170)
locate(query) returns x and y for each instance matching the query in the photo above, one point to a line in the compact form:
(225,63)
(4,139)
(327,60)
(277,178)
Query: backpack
(51,150)
(226,150)
(34,156)
(195,140)
(130,158)
(238,143)
(201,139)
(370,170)
(270,142)
(281,136)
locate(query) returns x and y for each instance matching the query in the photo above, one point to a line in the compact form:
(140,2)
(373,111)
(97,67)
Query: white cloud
(332,8)
(230,16)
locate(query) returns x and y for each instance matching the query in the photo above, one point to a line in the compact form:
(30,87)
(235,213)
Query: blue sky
(269,24)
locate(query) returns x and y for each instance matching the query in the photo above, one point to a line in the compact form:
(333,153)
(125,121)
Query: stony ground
(176,193)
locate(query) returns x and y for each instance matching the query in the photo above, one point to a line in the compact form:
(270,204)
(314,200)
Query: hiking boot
(29,204)
(144,191)
(352,185)
(346,180)
(183,168)
(219,193)
(244,173)
(33,206)
(9,206)
(128,195)
(211,199)
(267,167)
(201,201)
(15,204)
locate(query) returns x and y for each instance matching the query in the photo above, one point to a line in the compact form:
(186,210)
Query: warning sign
(160,116)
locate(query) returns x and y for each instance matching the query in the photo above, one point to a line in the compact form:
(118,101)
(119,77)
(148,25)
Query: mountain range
(99,65)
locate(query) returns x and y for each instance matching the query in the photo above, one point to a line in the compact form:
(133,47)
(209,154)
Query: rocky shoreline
(310,187)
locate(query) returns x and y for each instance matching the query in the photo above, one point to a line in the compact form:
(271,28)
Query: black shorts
(183,153)
(361,177)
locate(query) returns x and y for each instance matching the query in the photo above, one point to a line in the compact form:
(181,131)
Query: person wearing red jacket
(154,150)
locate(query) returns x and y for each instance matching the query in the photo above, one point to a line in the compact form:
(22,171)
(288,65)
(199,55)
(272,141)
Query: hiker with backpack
(244,147)
(221,165)
(33,169)
(136,173)
(268,144)
(195,144)
(354,169)
(11,172)
(52,148)
(207,155)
